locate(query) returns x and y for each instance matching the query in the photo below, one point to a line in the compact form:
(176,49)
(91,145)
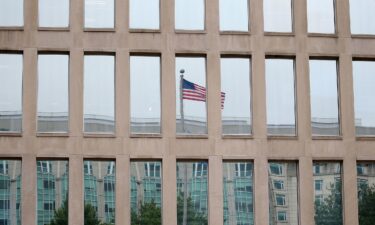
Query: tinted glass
(11,92)
(52,188)
(321,16)
(283,201)
(99,191)
(99,93)
(238,193)
(328,200)
(364,95)
(362,16)
(235,85)
(234,15)
(144,14)
(53,13)
(192,192)
(99,14)
(53,93)
(191,104)
(145,94)
(280,97)
(277,15)
(189,14)
(146,192)
(324,98)
(11,13)
(366,192)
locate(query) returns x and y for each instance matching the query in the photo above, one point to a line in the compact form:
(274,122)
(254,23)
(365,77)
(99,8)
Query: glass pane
(146,192)
(99,14)
(277,15)
(283,201)
(53,93)
(362,16)
(11,92)
(280,97)
(10,191)
(234,15)
(192,195)
(235,85)
(324,99)
(189,14)
(52,188)
(11,13)
(99,94)
(366,192)
(100,189)
(364,95)
(145,94)
(238,193)
(144,14)
(53,13)
(191,106)
(328,200)
(321,16)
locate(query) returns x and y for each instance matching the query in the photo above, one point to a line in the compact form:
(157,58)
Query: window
(144,14)
(321,16)
(243,169)
(277,15)
(276,169)
(280,97)
(236,103)
(152,169)
(280,200)
(361,16)
(360,169)
(319,199)
(99,14)
(234,15)
(53,93)
(189,14)
(53,13)
(4,167)
(200,169)
(318,185)
(316,169)
(281,216)
(10,92)
(365,188)
(87,168)
(191,104)
(99,94)
(11,13)
(324,98)
(278,184)
(364,93)
(145,94)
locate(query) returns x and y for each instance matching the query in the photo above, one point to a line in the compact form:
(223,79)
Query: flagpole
(182,71)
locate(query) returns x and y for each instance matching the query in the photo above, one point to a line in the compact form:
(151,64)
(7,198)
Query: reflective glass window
(324,98)
(277,15)
(191,117)
(321,16)
(366,192)
(364,95)
(146,192)
(234,15)
(99,191)
(145,94)
(99,115)
(53,13)
(280,97)
(362,16)
(53,93)
(11,13)
(189,14)
(283,202)
(328,200)
(236,94)
(144,14)
(99,13)
(238,193)
(11,67)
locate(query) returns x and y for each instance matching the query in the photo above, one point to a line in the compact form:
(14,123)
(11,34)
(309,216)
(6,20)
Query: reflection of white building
(10,121)
(365,175)
(326,177)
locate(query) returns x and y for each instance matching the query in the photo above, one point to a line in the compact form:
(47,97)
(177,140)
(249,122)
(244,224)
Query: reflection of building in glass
(99,123)
(283,189)
(365,175)
(52,121)
(10,121)
(326,177)
(238,193)
(325,126)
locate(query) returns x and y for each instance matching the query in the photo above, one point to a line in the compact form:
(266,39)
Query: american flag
(195,92)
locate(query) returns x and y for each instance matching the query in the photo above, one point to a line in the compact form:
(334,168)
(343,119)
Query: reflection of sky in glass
(277,15)
(362,16)
(99,13)
(189,14)
(11,13)
(144,14)
(321,16)
(53,13)
(234,15)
